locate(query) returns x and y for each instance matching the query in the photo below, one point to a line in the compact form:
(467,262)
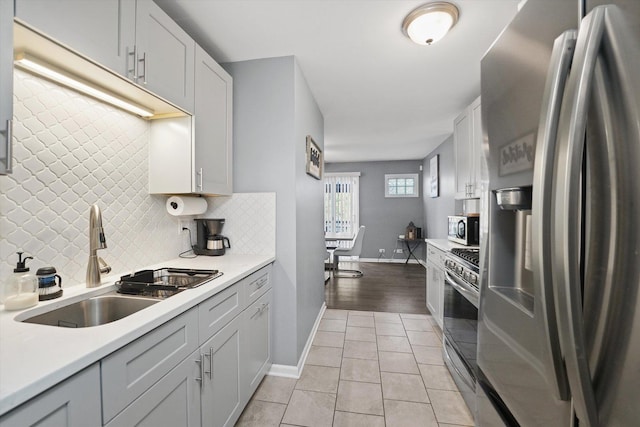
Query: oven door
(460,329)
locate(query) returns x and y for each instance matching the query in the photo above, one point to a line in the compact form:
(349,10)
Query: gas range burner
(472,256)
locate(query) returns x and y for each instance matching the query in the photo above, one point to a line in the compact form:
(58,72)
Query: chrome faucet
(97,241)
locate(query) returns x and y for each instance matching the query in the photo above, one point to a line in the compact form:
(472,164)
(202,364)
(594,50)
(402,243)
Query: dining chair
(354,250)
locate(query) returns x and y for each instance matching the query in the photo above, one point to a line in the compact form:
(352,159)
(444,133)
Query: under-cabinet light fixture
(29,63)
(430,22)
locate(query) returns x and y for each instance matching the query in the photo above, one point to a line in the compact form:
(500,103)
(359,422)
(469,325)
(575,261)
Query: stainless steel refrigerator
(559,315)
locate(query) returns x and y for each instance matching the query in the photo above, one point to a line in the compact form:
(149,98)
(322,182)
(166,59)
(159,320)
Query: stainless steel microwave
(464,230)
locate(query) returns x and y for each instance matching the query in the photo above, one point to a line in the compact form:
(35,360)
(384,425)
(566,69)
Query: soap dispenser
(22,287)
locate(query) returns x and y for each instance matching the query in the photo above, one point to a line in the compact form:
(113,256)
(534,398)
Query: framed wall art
(315,161)
(433,174)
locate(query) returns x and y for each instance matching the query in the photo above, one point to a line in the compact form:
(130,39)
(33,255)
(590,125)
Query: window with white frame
(401,185)
(341,203)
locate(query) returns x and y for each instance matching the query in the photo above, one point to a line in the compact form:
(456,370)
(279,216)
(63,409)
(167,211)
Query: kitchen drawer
(257,284)
(178,393)
(132,370)
(436,256)
(219,310)
(75,402)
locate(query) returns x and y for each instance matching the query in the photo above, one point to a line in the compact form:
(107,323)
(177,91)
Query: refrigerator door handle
(566,226)
(557,75)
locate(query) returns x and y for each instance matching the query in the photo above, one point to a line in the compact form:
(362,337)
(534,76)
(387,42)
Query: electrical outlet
(180,225)
(399,251)
(381,251)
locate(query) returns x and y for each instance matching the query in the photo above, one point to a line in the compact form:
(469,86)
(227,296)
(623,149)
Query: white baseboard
(291,371)
(389,260)
(287,371)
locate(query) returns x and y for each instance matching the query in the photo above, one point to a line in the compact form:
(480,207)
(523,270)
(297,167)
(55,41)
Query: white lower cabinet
(214,383)
(435,283)
(132,370)
(221,396)
(172,401)
(198,369)
(256,343)
(74,402)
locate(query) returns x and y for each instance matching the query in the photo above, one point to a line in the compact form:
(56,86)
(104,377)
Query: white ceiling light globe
(431,22)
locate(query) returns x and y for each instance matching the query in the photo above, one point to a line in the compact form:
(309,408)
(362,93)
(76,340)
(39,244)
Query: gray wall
(385,218)
(310,246)
(273,109)
(438,208)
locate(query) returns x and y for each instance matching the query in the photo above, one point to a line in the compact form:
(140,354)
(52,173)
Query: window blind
(341,203)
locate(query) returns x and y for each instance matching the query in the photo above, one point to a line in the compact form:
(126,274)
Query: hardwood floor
(384,287)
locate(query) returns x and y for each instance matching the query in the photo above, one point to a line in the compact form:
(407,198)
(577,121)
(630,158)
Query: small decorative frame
(315,161)
(433,174)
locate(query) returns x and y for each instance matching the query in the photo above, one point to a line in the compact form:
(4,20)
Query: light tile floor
(365,369)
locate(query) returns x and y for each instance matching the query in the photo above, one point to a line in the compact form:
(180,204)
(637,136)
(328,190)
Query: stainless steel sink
(93,311)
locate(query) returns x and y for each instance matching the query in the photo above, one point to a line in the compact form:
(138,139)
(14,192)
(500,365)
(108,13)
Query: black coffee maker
(210,241)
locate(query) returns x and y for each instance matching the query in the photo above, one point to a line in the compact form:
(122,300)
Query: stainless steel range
(460,323)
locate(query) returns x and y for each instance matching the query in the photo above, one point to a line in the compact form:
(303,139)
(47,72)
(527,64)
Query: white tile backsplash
(250,221)
(71,151)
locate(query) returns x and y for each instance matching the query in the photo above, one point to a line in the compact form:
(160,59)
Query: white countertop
(35,357)
(447,245)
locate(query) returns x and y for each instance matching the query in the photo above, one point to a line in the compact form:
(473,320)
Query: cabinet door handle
(200,362)
(256,313)
(260,309)
(132,73)
(200,173)
(9,145)
(210,362)
(142,76)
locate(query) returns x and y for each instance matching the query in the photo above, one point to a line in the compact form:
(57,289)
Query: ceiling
(382,96)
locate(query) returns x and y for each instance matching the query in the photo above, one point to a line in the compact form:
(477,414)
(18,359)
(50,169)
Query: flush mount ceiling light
(43,69)
(430,22)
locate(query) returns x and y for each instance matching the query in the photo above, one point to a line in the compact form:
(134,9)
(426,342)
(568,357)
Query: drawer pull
(260,283)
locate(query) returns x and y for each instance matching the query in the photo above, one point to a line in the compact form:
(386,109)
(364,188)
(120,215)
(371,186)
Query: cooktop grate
(470,255)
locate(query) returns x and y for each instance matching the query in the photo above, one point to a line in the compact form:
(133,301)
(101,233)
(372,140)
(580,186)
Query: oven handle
(467,291)
(448,347)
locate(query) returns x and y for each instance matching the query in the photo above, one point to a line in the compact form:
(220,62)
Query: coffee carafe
(210,241)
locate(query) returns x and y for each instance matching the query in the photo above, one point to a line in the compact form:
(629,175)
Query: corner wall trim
(290,371)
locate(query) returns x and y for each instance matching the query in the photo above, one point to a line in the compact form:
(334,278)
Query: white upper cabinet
(101,30)
(164,55)
(194,155)
(136,39)
(6,84)
(476,146)
(461,138)
(467,140)
(213,127)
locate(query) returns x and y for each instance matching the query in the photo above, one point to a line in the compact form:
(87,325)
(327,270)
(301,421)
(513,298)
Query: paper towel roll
(185,205)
